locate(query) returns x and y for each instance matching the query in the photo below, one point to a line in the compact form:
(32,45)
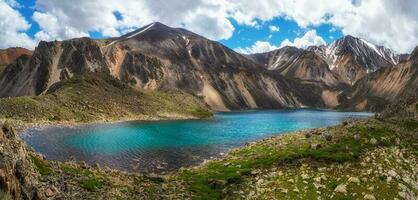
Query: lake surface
(168,145)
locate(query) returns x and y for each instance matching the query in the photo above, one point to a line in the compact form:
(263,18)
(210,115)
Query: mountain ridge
(159,57)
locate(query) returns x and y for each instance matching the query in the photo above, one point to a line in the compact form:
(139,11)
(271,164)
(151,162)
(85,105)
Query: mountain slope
(352,58)
(345,61)
(158,57)
(297,63)
(100,97)
(8,56)
(385,86)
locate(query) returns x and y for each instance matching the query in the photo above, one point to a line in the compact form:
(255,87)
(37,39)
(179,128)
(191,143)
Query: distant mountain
(297,63)
(385,86)
(8,56)
(344,61)
(158,57)
(352,58)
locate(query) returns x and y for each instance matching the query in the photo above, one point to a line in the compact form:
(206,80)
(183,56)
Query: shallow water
(168,145)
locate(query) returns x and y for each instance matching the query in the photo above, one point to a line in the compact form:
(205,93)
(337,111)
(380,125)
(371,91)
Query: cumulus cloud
(310,38)
(274,28)
(13,26)
(257,47)
(384,22)
(78,17)
(393,24)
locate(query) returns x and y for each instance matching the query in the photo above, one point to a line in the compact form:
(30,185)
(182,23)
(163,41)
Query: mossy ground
(42,166)
(286,166)
(377,158)
(100,98)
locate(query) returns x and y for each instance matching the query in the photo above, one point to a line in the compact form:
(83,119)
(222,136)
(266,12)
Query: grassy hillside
(97,97)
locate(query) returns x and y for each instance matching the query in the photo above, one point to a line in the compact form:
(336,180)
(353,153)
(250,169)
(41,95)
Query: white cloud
(393,24)
(52,29)
(310,38)
(385,22)
(78,17)
(13,26)
(257,47)
(274,28)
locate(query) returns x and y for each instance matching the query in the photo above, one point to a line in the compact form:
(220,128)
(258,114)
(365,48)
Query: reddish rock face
(8,56)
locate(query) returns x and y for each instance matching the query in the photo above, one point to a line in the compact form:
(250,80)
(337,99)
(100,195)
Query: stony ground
(373,159)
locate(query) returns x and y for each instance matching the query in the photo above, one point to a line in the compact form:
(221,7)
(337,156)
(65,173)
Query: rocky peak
(414,54)
(9,56)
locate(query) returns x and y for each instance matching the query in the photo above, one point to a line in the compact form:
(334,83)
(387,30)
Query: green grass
(211,179)
(98,97)
(2,194)
(91,183)
(74,171)
(42,166)
(85,178)
(201,113)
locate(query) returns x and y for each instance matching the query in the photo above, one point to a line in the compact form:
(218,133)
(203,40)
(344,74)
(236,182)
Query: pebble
(50,192)
(369,197)
(354,180)
(341,189)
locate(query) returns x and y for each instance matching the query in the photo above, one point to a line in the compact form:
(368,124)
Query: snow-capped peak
(368,55)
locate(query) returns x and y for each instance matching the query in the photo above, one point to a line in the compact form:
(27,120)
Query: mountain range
(350,73)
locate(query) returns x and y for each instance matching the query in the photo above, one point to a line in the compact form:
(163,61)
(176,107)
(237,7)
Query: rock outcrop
(18,178)
(9,56)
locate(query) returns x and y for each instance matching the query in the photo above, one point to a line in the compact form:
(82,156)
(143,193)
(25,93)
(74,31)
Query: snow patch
(133,35)
(372,46)
(143,30)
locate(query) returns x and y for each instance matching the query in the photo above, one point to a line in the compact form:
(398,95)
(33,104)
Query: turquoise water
(173,144)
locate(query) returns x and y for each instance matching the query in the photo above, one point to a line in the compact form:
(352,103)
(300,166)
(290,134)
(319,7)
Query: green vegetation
(2,194)
(373,159)
(100,98)
(91,183)
(354,160)
(201,113)
(84,177)
(42,166)
(348,144)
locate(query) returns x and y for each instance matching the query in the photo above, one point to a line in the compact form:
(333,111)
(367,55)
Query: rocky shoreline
(358,159)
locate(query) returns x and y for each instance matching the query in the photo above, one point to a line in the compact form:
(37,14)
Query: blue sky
(246,36)
(243,25)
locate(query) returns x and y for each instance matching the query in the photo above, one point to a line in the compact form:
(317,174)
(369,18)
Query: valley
(159,73)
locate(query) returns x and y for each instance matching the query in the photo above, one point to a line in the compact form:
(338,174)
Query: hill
(99,97)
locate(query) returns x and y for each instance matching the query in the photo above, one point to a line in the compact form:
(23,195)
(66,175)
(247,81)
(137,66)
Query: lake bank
(372,158)
(165,146)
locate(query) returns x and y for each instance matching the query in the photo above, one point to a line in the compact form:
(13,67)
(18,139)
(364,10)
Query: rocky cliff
(8,56)
(297,63)
(18,177)
(158,57)
(385,86)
